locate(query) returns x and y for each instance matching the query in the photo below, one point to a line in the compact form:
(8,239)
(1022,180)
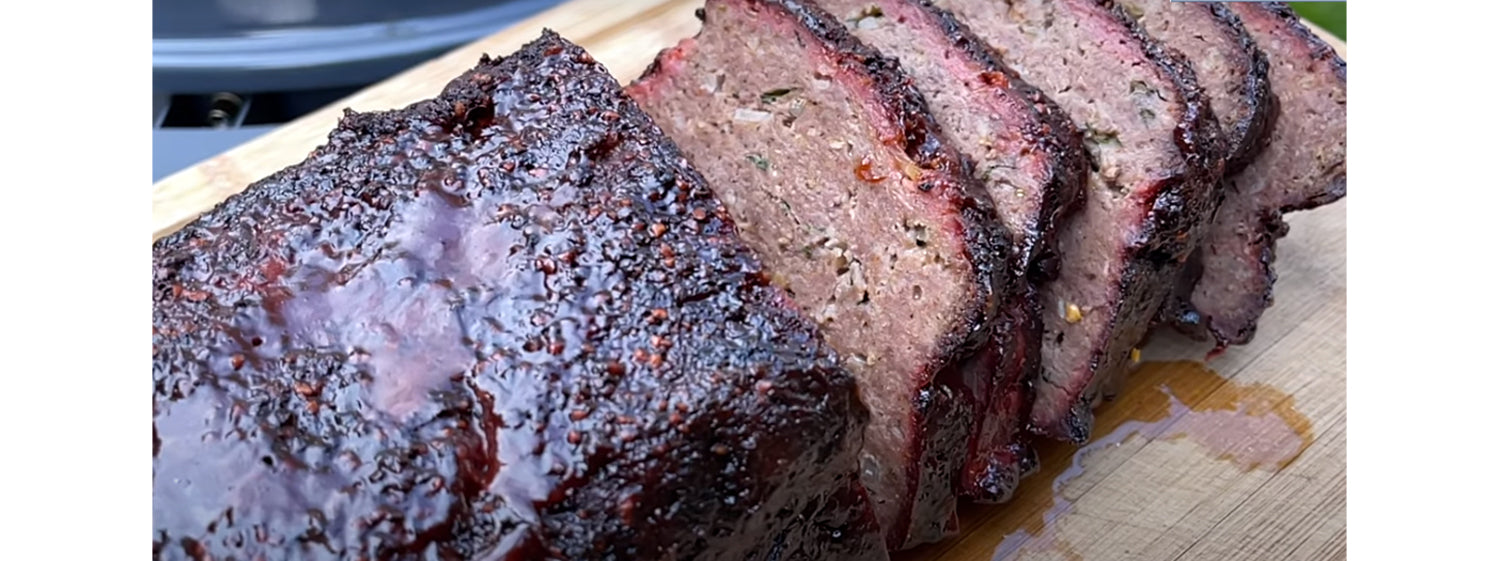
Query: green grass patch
(1327,15)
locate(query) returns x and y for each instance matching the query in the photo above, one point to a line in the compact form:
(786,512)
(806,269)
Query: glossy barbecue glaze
(505,323)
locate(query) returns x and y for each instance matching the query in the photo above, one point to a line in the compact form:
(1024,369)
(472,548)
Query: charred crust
(212,272)
(1183,202)
(1182,205)
(1247,136)
(1320,49)
(924,142)
(945,178)
(1079,422)
(1238,325)
(1198,135)
(1054,132)
(945,417)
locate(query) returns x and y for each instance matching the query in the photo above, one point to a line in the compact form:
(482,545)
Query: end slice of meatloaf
(1029,158)
(827,157)
(1232,70)
(1157,159)
(506,323)
(1301,167)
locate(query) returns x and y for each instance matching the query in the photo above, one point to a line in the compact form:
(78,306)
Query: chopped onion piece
(751,115)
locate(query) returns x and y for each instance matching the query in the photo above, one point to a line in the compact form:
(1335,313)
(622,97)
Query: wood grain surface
(1173,473)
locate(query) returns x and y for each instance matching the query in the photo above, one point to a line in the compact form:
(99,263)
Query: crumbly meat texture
(505,323)
(1157,156)
(1228,286)
(1030,159)
(829,160)
(1232,70)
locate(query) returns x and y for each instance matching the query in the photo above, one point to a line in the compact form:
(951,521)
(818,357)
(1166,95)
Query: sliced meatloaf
(506,323)
(1157,159)
(828,159)
(1030,159)
(1301,167)
(1229,66)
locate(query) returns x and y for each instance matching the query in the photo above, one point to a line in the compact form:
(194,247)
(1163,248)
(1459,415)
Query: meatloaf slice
(506,323)
(1157,156)
(1031,160)
(1301,167)
(827,157)
(1229,66)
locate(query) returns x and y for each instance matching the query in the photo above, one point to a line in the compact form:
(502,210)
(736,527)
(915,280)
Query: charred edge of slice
(1059,137)
(992,468)
(999,450)
(1321,51)
(941,411)
(987,249)
(925,144)
(1248,137)
(1178,310)
(1198,135)
(1250,134)
(1178,217)
(985,243)
(1185,317)
(934,515)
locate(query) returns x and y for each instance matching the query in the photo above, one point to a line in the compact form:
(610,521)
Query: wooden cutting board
(1244,463)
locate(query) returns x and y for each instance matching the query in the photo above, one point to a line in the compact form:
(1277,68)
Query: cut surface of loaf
(1157,158)
(829,161)
(1230,68)
(507,323)
(1031,161)
(1228,285)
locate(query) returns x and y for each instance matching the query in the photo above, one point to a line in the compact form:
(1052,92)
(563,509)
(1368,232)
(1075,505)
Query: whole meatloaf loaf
(1031,160)
(506,323)
(1228,284)
(838,177)
(1157,160)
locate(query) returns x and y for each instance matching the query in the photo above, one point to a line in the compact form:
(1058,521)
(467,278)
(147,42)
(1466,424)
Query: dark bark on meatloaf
(1000,451)
(1051,132)
(1050,170)
(592,344)
(1318,51)
(1175,203)
(1226,303)
(947,434)
(1245,135)
(1056,135)
(997,465)
(1180,215)
(942,405)
(1248,136)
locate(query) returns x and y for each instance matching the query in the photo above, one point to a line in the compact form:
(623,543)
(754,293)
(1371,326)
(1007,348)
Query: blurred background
(226,71)
(1327,15)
